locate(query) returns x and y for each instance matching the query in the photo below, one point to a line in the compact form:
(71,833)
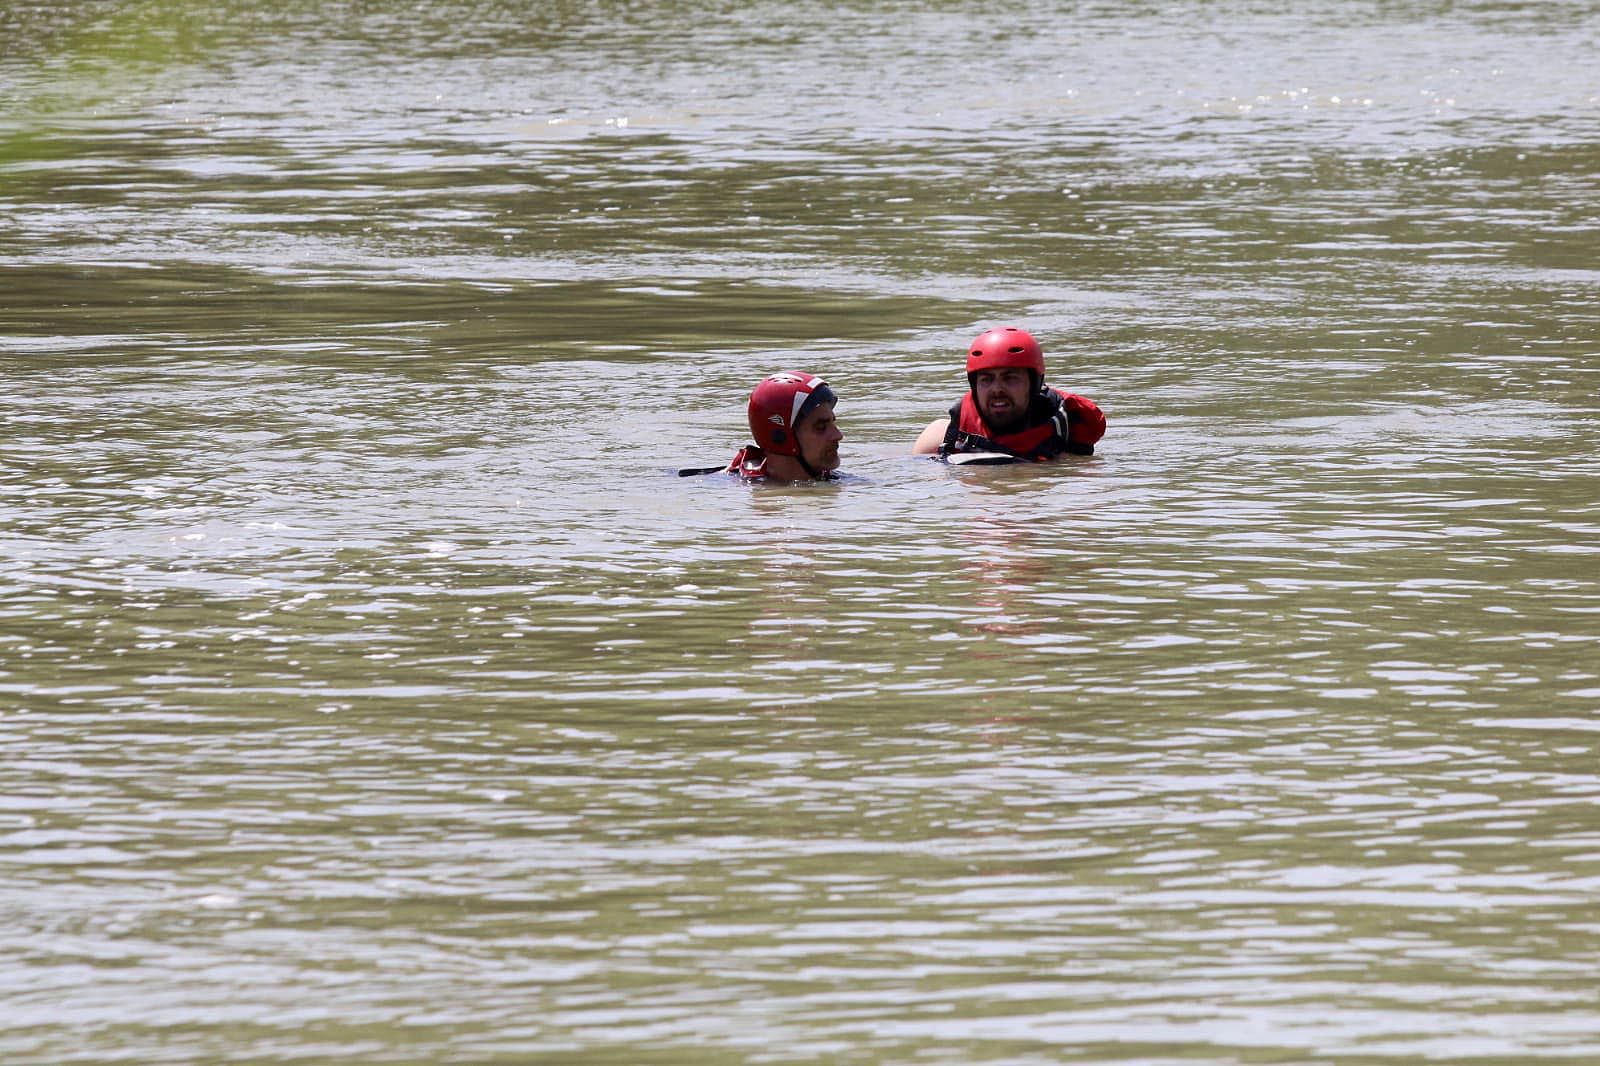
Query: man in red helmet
(1008,408)
(796,436)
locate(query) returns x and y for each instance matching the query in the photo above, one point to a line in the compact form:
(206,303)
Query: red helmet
(1005,346)
(779,403)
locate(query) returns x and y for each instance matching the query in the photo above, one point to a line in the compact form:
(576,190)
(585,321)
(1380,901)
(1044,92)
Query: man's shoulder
(1085,422)
(931,437)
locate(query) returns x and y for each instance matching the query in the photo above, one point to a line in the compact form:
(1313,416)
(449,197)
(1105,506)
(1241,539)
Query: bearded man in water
(1009,410)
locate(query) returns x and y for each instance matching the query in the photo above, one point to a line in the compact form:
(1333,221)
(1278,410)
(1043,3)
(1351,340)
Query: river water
(371,689)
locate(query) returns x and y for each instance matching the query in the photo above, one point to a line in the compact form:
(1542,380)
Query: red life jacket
(1056,422)
(750,462)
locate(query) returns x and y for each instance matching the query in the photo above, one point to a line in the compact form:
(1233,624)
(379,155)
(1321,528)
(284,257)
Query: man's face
(1002,397)
(818,436)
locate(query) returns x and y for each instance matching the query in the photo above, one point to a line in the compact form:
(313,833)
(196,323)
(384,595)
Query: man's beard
(1014,419)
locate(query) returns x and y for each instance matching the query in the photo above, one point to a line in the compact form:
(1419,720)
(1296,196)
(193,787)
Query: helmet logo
(776,420)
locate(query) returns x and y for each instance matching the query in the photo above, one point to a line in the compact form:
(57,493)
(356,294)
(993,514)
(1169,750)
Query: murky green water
(371,691)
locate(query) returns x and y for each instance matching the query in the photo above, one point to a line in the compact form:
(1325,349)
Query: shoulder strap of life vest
(952,431)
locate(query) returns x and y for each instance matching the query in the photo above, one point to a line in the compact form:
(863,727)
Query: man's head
(791,414)
(1005,367)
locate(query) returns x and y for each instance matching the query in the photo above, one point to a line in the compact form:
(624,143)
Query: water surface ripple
(371,690)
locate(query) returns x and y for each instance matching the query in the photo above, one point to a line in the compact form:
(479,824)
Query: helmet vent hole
(1015,349)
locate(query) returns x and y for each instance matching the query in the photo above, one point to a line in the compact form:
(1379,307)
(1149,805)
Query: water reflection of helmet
(779,403)
(1005,346)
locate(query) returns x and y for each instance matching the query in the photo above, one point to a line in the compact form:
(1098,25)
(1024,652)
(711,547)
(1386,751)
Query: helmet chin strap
(807,467)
